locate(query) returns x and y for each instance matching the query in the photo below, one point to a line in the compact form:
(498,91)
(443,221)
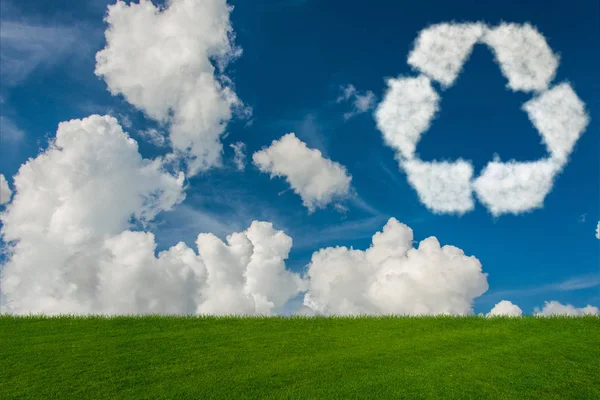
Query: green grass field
(299,358)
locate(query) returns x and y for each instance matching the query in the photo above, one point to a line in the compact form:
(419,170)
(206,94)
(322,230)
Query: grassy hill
(299,358)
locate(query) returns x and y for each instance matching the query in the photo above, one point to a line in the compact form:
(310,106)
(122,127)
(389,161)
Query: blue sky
(297,55)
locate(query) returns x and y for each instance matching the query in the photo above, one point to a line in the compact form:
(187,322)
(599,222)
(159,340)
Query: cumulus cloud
(441,50)
(555,308)
(26,47)
(239,157)
(505,308)
(529,64)
(72,248)
(392,277)
(90,183)
(318,180)
(5,192)
(161,61)
(523,55)
(598,230)
(361,103)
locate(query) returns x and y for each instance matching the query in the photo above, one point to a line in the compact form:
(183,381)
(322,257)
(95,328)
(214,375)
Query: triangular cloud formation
(529,65)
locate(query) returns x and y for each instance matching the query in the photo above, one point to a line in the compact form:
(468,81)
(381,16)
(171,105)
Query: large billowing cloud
(161,61)
(392,277)
(529,64)
(505,308)
(318,180)
(73,251)
(5,192)
(555,308)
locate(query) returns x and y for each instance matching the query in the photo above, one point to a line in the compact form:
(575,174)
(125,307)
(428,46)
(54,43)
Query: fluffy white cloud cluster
(239,156)
(555,308)
(361,103)
(318,180)
(598,230)
(5,192)
(72,251)
(160,60)
(392,277)
(529,65)
(505,308)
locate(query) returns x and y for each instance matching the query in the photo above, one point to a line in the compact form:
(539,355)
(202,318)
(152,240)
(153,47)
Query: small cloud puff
(361,103)
(318,180)
(505,308)
(239,157)
(555,308)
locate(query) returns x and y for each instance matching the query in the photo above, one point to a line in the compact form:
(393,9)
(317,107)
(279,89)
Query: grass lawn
(299,358)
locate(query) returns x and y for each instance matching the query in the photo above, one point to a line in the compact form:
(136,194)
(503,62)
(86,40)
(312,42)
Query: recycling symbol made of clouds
(529,65)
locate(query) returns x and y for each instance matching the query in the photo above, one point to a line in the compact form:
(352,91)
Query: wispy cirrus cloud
(25,47)
(361,103)
(576,283)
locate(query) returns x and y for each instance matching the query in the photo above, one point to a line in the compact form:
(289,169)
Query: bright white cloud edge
(316,179)
(161,60)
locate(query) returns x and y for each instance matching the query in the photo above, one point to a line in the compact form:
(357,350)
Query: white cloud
(72,250)
(442,186)
(392,277)
(598,230)
(406,112)
(361,103)
(515,187)
(248,275)
(523,55)
(441,50)
(239,157)
(85,187)
(153,136)
(160,60)
(556,308)
(505,308)
(5,192)
(529,64)
(318,180)
(560,117)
